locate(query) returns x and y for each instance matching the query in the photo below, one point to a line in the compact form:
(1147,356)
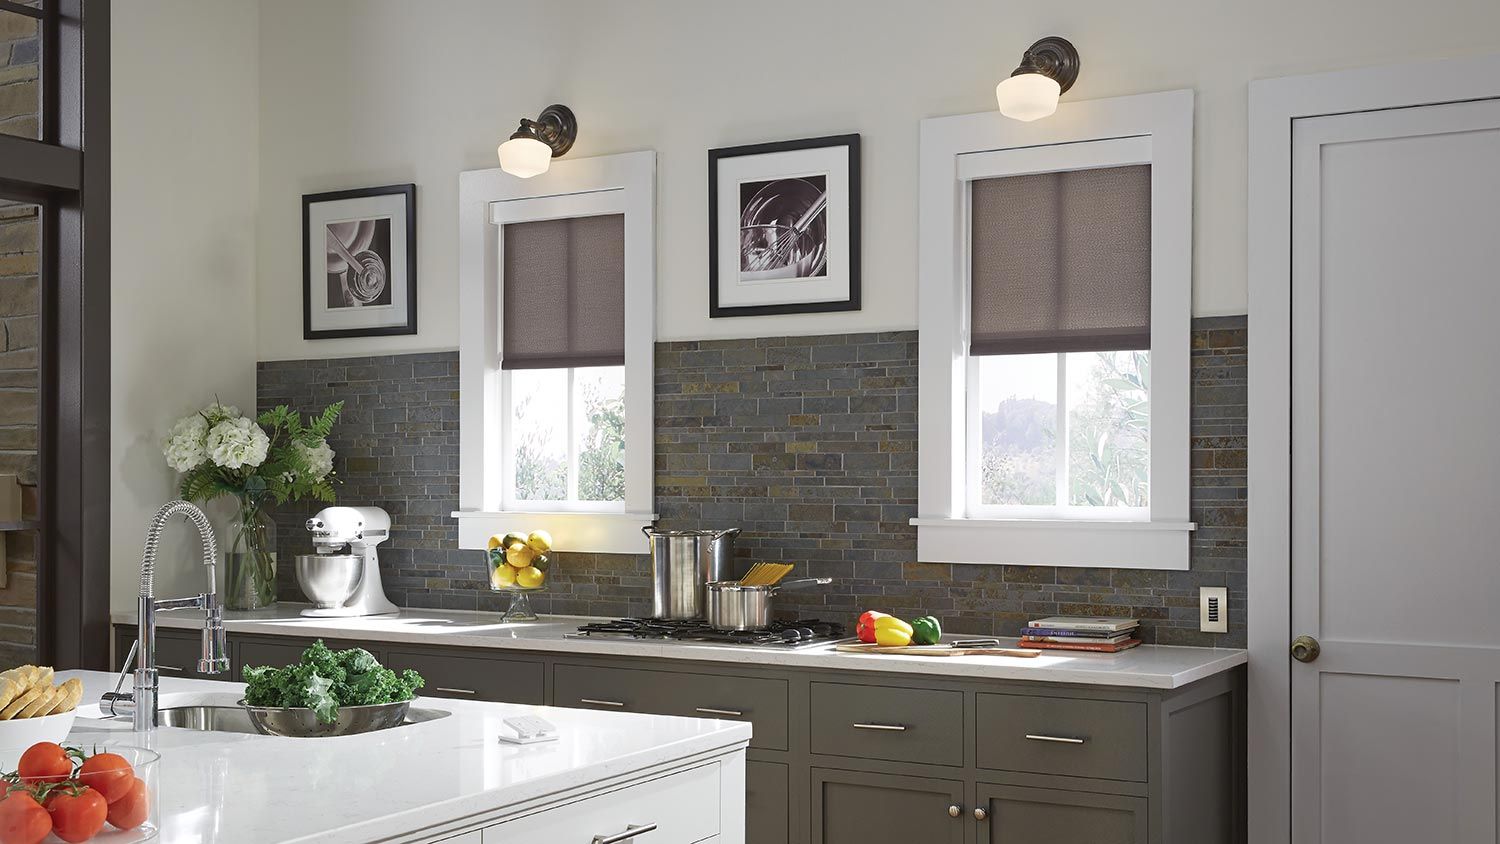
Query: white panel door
(1396,474)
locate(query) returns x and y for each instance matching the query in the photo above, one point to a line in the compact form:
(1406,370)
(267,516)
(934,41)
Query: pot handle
(800,582)
(726,532)
(647,529)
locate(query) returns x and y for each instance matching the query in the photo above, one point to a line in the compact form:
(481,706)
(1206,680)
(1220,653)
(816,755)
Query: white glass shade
(525,157)
(1028,97)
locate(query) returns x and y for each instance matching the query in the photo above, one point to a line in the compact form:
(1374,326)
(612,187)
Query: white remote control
(530,729)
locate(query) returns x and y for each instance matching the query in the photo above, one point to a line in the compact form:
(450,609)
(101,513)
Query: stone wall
(808,444)
(20,239)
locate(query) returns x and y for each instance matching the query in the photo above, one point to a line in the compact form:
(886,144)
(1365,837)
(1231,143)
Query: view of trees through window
(1101,458)
(542,403)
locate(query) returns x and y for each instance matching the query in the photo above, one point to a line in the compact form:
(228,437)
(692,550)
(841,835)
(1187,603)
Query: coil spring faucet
(141,702)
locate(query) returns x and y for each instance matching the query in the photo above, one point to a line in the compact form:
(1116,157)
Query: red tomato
(45,761)
(22,820)
(107,773)
(129,811)
(77,813)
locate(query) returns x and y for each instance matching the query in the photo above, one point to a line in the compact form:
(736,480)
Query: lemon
(503,577)
(520,556)
(540,540)
(494,542)
(530,577)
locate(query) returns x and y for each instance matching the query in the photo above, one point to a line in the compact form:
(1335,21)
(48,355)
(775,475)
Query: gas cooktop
(781,634)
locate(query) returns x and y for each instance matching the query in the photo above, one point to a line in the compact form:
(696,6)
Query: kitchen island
(448,779)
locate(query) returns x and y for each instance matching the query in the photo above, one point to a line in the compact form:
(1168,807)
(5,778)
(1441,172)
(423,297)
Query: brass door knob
(954,811)
(1305,649)
(980,814)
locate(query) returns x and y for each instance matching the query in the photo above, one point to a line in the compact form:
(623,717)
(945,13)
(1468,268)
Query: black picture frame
(716,310)
(409,194)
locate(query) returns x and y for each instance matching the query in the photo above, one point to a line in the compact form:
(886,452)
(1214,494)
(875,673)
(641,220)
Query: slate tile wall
(809,444)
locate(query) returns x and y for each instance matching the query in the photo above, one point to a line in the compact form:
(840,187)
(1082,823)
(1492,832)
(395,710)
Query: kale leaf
(323,680)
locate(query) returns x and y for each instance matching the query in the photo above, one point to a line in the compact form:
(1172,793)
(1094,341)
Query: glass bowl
(139,808)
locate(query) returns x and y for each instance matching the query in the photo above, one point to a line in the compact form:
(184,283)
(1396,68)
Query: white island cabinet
(610,776)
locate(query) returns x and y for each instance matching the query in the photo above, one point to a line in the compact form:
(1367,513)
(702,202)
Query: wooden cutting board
(934,650)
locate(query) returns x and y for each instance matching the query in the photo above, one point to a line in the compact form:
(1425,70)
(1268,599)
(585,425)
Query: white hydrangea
(238,442)
(216,413)
(319,458)
(185,446)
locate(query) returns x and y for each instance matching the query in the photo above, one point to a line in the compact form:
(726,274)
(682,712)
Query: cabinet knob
(955,810)
(980,814)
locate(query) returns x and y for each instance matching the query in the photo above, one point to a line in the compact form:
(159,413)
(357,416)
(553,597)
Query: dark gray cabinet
(473,677)
(855,756)
(1020,815)
(857,807)
(767,812)
(177,651)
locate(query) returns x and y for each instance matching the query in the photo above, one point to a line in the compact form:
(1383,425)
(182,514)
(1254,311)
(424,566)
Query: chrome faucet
(141,702)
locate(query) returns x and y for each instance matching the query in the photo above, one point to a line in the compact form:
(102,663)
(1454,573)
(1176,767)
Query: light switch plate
(1213,609)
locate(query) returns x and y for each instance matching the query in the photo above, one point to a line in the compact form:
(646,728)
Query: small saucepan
(735,606)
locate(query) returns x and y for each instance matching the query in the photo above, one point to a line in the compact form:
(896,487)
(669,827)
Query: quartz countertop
(1146,666)
(395,785)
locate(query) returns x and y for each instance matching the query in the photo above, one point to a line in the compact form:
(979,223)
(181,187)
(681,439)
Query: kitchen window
(556,353)
(1056,271)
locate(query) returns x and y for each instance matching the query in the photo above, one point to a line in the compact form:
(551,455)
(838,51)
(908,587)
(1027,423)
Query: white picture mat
(319,215)
(832,162)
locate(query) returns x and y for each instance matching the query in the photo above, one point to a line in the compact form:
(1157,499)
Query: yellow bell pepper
(892,632)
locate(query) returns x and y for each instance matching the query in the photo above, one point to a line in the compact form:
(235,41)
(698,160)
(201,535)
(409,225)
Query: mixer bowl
(328,580)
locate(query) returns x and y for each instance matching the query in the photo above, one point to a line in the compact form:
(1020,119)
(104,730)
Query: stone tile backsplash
(809,445)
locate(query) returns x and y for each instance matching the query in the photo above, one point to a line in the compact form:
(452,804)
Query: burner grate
(778,634)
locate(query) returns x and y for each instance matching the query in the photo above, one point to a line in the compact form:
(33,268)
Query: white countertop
(1147,666)
(229,788)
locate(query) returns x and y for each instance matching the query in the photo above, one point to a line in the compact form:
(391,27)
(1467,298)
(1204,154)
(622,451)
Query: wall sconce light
(533,145)
(1048,68)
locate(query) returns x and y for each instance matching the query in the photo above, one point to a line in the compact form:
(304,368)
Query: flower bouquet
(275,457)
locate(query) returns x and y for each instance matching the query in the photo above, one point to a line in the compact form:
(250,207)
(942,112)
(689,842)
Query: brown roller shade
(564,293)
(1061,262)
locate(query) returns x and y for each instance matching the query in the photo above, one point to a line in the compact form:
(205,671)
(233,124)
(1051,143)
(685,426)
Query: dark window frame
(66,172)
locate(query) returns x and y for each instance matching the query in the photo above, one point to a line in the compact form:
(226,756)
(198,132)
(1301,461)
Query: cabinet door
(472,677)
(1018,815)
(766,820)
(287,650)
(177,652)
(853,807)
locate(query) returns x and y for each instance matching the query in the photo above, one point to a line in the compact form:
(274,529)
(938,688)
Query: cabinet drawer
(471,677)
(762,702)
(767,803)
(1104,739)
(879,722)
(684,806)
(608,689)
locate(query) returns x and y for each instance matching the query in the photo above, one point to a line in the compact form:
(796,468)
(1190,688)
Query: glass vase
(250,576)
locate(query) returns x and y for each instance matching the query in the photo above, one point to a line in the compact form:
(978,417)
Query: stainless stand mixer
(340,584)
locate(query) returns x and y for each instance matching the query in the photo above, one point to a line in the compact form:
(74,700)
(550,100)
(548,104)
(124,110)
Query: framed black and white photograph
(783,227)
(359,262)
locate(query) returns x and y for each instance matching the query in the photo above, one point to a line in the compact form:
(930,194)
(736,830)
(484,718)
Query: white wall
(184,112)
(363,92)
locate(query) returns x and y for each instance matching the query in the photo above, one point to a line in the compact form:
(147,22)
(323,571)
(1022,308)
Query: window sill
(1055,542)
(596,533)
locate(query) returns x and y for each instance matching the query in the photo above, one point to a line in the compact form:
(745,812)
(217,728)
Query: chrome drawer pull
(631,831)
(1056,739)
(452,691)
(708,710)
(160,667)
(895,728)
(600,703)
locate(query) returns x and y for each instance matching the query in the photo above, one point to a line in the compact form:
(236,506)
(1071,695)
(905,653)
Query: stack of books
(1073,633)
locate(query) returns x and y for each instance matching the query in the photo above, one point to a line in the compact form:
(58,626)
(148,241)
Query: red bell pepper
(865,630)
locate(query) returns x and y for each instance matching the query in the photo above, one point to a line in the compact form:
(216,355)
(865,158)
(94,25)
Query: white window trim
(630,179)
(955,150)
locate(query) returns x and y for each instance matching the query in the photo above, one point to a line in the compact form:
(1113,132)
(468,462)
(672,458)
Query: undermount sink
(234,719)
